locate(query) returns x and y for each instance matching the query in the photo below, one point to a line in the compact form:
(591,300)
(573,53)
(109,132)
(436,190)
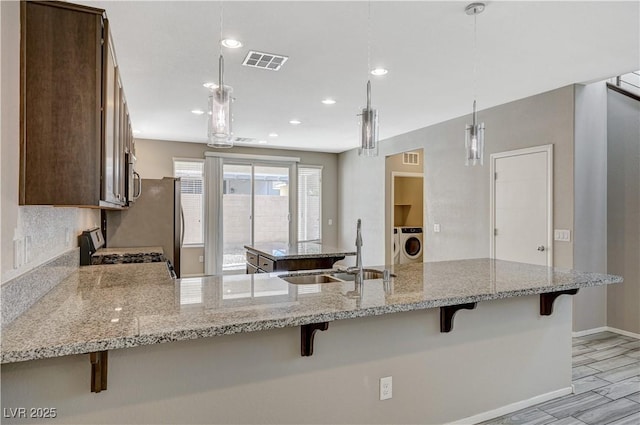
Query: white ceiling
(166,50)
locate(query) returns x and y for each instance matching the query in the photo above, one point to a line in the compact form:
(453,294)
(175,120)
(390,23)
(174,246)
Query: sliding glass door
(256,209)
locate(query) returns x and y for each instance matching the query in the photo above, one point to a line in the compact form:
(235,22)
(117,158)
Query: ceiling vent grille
(411,158)
(264,60)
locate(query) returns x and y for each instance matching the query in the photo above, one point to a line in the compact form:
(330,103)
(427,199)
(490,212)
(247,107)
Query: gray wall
(458,196)
(623,217)
(590,212)
(260,377)
(155,160)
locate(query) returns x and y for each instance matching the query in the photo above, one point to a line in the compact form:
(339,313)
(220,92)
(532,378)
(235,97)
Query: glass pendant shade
(369,128)
(220,120)
(369,133)
(474,144)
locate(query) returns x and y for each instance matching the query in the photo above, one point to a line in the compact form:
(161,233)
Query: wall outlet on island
(386,388)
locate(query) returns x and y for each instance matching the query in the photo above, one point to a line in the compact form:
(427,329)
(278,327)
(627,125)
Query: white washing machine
(396,245)
(411,244)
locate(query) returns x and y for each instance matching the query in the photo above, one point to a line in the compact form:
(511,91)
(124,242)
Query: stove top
(143,257)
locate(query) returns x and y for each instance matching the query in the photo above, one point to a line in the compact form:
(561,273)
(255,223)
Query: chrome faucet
(359,267)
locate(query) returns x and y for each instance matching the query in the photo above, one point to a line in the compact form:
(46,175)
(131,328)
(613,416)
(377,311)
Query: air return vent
(411,158)
(264,60)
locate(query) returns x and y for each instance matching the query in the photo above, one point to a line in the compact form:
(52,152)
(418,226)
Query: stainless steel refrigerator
(155,219)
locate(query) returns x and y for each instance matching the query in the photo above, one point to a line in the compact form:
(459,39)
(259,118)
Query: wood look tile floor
(606,378)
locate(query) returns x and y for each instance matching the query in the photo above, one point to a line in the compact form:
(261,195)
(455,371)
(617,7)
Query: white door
(521,205)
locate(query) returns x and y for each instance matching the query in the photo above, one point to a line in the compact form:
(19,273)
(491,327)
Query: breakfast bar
(102,308)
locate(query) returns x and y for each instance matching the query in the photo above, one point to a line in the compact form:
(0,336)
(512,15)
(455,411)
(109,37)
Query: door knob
(541,248)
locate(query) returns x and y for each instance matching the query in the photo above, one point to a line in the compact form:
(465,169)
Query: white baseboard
(589,332)
(513,407)
(625,333)
(604,329)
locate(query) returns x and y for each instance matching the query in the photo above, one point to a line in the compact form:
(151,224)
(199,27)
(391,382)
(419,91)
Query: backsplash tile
(48,232)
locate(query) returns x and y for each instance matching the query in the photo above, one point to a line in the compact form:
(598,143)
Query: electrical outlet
(386,388)
(330,222)
(27,249)
(201,259)
(17,253)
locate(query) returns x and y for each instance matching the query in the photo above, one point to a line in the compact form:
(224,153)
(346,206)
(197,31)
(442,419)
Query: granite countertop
(282,251)
(117,306)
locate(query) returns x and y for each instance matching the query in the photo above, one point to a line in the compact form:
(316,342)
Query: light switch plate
(562,235)
(436,228)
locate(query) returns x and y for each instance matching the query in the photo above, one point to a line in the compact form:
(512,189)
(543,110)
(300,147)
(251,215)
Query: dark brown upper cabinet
(72,149)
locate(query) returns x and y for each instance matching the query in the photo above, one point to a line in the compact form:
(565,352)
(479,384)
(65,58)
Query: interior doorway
(404,218)
(522,205)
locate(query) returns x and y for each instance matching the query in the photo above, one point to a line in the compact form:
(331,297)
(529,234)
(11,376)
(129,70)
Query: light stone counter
(118,306)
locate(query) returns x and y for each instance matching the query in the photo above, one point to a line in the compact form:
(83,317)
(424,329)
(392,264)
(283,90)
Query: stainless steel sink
(309,279)
(331,277)
(368,274)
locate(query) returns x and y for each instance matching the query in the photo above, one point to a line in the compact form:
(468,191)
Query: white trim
(604,329)
(256,158)
(548,149)
(625,333)
(588,332)
(513,407)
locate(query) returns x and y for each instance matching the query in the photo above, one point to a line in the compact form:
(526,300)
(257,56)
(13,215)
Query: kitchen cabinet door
(71,142)
(110,154)
(61,117)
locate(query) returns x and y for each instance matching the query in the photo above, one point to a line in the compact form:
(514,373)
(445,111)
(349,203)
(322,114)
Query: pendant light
(369,121)
(220,120)
(474,134)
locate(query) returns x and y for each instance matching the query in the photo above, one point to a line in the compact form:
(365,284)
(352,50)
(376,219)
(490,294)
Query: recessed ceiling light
(328,101)
(197,111)
(379,71)
(115,320)
(262,142)
(210,86)
(118,309)
(273,134)
(295,122)
(231,43)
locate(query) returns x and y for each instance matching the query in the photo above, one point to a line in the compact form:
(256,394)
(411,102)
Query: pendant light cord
(368,54)
(221,59)
(475,64)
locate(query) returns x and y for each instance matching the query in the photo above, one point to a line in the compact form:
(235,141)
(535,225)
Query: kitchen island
(508,350)
(272,257)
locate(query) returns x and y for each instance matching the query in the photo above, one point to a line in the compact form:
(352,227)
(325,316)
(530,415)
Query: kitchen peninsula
(509,349)
(270,257)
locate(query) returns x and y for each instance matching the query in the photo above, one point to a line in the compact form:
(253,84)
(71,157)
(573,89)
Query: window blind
(309,203)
